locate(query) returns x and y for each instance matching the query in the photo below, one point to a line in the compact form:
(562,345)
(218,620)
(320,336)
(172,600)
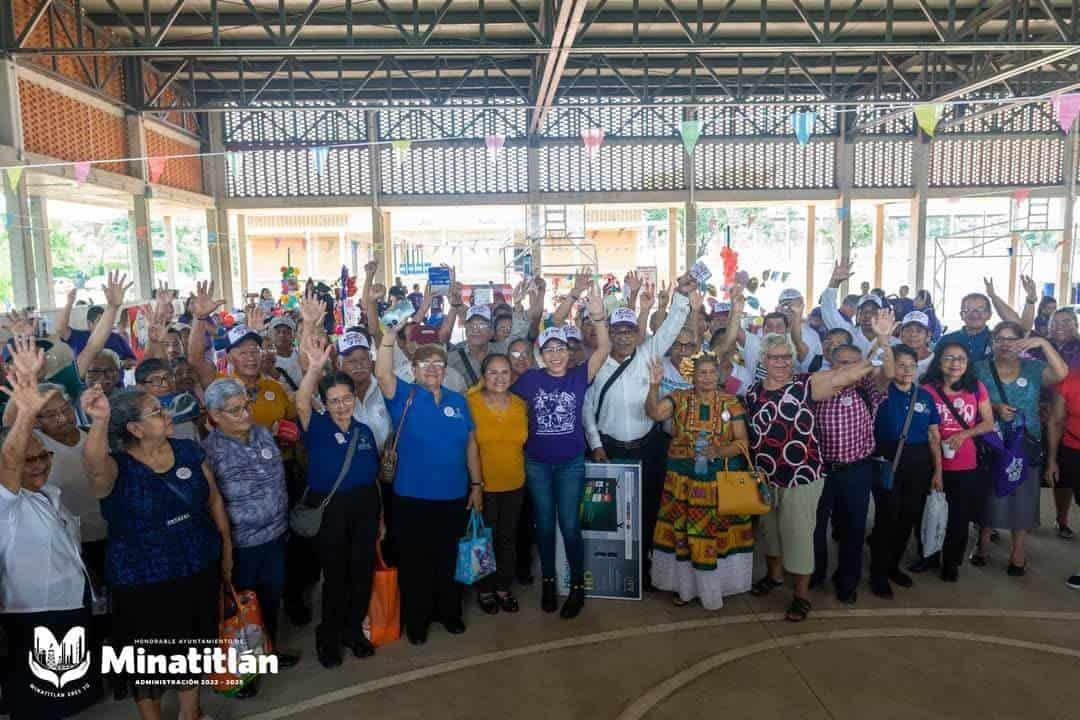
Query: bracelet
(479,485)
(457,305)
(1031,301)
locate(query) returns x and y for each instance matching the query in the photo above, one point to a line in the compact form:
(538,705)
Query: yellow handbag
(742,492)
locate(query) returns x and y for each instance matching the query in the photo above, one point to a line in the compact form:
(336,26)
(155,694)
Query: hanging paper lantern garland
(1066,109)
(928,116)
(802,123)
(690,130)
(592,137)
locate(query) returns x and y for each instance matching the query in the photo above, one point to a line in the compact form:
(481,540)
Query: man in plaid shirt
(847,442)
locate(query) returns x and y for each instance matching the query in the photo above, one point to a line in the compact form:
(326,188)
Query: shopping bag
(935,519)
(1011,456)
(241,627)
(382,626)
(476,555)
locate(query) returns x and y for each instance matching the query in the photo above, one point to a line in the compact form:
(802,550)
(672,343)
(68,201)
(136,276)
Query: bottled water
(701,463)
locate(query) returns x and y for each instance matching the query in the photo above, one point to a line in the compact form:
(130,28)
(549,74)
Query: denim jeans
(846,499)
(556,490)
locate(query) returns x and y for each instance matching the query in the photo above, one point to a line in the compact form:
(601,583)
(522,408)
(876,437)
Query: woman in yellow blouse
(501,429)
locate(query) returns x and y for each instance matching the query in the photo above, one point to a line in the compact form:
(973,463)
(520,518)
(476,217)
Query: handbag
(244,631)
(476,554)
(305,521)
(1009,463)
(382,625)
(388,461)
(742,492)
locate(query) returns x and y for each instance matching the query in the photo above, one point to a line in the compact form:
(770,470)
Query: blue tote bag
(476,555)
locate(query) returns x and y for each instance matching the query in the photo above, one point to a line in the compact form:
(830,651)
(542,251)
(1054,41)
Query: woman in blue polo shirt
(438,477)
(899,511)
(350,523)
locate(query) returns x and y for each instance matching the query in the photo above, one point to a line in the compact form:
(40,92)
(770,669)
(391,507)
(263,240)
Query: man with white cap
(787,320)
(862,331)
(466,357)
(286,356)
(354,359)
(915,333)
(616,426)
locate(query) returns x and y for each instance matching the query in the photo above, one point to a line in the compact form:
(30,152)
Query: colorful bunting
(494,143)
(1021,195)
(1066,109)
(841,213)
(401,147)
(82,171)
(690,130)
(592,137)
(319,156)
(234,161)
(928,117)
(157,167)
(14,174)
(802,122)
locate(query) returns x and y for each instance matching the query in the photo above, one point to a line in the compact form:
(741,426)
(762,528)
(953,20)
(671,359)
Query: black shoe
(1016,570)
(927,563)
(362,648)
(816,580)
(950,573)
(525,577)
(575,601)
(329,655)
(977,560)
(417,636)
(287,660)
(880,586)
(488,603)
(299,614)
(120,689)
(248,691)
(549,601)
(508,603)
(847,597)
(454,626)
(900,578)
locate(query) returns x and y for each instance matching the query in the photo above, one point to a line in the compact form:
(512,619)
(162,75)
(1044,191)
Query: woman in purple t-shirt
(555,451)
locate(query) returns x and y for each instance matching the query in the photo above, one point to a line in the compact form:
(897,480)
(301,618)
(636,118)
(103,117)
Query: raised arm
(738,304)
(457,311)
(1027,317)
(663,297)
(384,362)
(824,384)
(114,298)
(794,313)
(1055,429)
(657,408)
(63,322)
(645,304)
(317,358)
(312,311)
(100,468)
(632,287)
(884,325)
(367,298)
(687,299)
(1000,306)
(202,307)
(582,281)
(24,394)
(1056,368)
(599,320)
(830,306)
(157,324)
(425,305)
(536,308)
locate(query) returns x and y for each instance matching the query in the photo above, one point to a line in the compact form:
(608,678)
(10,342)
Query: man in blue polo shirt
(77,339)
(975,311)
(899,511)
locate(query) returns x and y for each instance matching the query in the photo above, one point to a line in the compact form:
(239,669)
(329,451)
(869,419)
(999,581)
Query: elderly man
(467,356)
(286,357)
(847,443)
(869,305)
(77,339)
(616,426)
(915,333)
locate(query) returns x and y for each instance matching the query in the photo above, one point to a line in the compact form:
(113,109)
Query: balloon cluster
(290,287)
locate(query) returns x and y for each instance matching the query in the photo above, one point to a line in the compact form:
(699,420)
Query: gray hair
(47,387)
(775,340)
(221,391)
(111,354)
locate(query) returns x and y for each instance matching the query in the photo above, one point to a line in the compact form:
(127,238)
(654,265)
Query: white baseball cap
(351,341)
(918,317)
(789,294)
(871,298)
(240,333)
(623,316)
(480,311)
(282,320)
(551,334)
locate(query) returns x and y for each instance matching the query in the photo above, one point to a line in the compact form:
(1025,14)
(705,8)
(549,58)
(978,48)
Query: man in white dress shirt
(616,426)
(862,331)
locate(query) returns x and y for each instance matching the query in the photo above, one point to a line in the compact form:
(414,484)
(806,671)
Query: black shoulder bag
(982,452)
(611,381)
(469,372)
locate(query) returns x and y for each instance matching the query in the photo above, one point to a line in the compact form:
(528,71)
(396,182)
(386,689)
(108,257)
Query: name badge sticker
(269,395)
(920,408)
(448,411)
(340,438)
(184,473)
(267,453)
(1022,382)
(846,401)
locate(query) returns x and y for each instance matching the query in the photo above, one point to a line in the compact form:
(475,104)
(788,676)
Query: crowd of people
(134,487)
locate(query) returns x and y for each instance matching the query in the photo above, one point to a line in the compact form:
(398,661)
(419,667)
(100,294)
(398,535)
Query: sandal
(507,602)
(977,560)
(679,602)
(765,585)
(488,602)
(798,610)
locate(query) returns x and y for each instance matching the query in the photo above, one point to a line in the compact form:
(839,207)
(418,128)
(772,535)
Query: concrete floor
(988,647)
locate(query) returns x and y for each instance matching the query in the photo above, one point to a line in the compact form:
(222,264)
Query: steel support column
(217,219)
(1070,163)
(845,170)
(811,248)
(17,201)
(382,250)
(920,175)
(39,223)
(142,256)
(243,257)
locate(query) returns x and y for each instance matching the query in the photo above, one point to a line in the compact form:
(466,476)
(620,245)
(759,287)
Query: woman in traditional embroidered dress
(698,553)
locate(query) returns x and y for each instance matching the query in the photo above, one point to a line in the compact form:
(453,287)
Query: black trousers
(966,492)
(899,511)
(502,511)
(301,557)
(526,537)
(346,547)
(652,452)
(427,536)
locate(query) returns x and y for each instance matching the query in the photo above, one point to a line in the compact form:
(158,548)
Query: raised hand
(536,298)
(26,357)
(596,305)
(370,267)
(696,299)
(685,284)
(115,288)
(738,300)
(22,322)
(72,294)
(1029,288)
(204,303)
(25,394)
(95,404)
(988,283)
(582,281)
(647,295)
(632,282)
(663,298)
(656,372)
(841,272)
(256,318)
(317,356)
(456,291)
(885,323)
(312,310)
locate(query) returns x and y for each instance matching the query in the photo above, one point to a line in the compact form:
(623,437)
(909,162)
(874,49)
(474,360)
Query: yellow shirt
(270,402)
(501,436)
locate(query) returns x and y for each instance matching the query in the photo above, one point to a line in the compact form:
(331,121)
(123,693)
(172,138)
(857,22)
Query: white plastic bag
(935,519)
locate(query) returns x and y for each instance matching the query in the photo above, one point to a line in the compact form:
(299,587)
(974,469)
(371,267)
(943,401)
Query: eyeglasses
(779,359)
(684,346)
(238,411)
(555,350)
(158,411)
(158,380)
(57,415)
(43,457)
(342,401)
(517,354)
(431,365)
(961,359)
(250,352)
(974,311)
(907,367)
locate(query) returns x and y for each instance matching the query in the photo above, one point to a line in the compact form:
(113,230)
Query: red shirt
(1069,389)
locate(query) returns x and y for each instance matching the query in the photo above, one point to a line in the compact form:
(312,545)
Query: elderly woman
(438,476)
(964,411)
(1014,384)
(169,542)
(785,447)
(44,580)
(342,471)
(555,451)
(251,478)
(698,553)
(521,357)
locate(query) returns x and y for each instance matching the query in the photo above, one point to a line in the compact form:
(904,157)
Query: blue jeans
(556,489)
(846,498)
(262,568)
